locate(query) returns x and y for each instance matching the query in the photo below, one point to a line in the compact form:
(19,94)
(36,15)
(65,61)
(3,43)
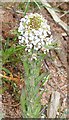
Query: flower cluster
(35,33)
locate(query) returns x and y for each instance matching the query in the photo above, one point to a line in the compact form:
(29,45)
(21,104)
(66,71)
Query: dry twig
(54,15)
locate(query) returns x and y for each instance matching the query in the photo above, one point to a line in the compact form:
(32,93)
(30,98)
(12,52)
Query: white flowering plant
(35,35)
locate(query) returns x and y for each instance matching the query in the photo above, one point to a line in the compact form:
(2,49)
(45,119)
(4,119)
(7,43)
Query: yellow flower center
(35,22)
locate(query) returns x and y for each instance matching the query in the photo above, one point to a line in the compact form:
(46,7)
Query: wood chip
(53,105)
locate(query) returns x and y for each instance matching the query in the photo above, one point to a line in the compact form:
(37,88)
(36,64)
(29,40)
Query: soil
(57,67)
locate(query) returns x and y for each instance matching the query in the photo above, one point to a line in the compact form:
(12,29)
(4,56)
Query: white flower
(35,33)
(26,40)
(43,43)
(30,46)
(31,15)
(23,38)
(20,37)
(34,42)
(21,24)
(42,37)
(26,33)
(23,20)
(36,48)
(39,46)
(20,28)
(45,33)
(40,31)
(33,30)
(32,37)
(34,57)
(29,50)
(20,41)
(21,32)
(36,38)
(39,43)
(30,34)
(26,17)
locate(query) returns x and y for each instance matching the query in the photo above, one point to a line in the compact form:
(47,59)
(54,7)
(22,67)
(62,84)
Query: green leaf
(26,9)
(37,4)
(39,78)
(2,90)
(37,111)
(26,67)
(8,52)
(23,101)
(6,70)
(46,78)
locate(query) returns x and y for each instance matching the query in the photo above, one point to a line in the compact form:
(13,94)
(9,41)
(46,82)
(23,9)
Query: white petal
(20,41)
(43,43)
(21,32)
(39,44)
(26,33)
(30,46)
(23,20)
(20,28)
(34,42)
(26,16)
(36,48)
(39,47)
(23,38)
(20,37)
(29,50)
(36,38)
(26,40)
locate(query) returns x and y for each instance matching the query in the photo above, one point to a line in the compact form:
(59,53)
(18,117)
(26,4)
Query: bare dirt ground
(57,67)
